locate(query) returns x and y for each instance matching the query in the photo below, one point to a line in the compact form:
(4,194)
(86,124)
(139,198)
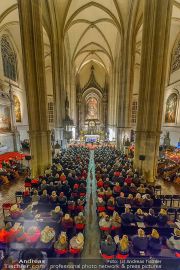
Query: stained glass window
(8,58)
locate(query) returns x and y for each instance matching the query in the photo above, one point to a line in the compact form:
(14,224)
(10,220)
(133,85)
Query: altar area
(92,138)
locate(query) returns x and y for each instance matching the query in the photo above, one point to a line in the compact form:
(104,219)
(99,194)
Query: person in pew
(101,205)
(33,235)
(53,198)
(130,199)
(61,245)
(47,236)
(116,189)
(67,223)
(62,199)
(35,196)
(155,242)
(82,190)
(82,181)
(147,201)
(173,242)
(62,177)
(136,179)
(141,189)
(71,204)
(15,211)
(76,244)
(107,183)
(162,218)
(125,189)
(20,235)
(26,197)
(111,204)
(65,188)
(108,248)
(115,221)
(105,223)
(101,192)
(138,200)
(139,216)
(80,204)
(150,218)
(150,190)
(133,189)
(44,198)
(80,221)
(108,193)
(128,180)
(50,188)
(120,200)
(123,248)
(7,234)
(100,183)
(127,217)
(140,241)
(43,185)
(57,213)
(28,212)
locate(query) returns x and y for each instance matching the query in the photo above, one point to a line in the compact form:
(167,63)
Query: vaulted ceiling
(92,29)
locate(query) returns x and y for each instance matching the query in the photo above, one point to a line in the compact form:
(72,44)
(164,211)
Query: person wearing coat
(61,245)
(140,241)
(53,197)
(162,218)
(155,243)
(44,198)
(150,218)
(33,235)
(123,248)
(127,217)
(101,204)
(115,221)
(105,223)
(47,236)
(139,216)
(120,200)
(57,213)
(108,248)
(174,241)
(67,223)
(76,244)
(147,201)
(80,221)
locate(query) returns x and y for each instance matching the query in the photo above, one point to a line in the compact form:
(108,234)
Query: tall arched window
(8,58)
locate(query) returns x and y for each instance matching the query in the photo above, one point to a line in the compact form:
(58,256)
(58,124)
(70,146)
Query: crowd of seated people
(125,205)
(11,170)
(50,212)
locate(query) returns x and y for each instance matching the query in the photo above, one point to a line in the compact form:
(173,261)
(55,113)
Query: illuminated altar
(92,109)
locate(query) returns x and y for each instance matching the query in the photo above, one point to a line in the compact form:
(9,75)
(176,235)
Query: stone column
(125,83)
(30,19)
(155,40)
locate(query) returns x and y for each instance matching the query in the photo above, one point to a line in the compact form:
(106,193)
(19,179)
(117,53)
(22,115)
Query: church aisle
(92,234)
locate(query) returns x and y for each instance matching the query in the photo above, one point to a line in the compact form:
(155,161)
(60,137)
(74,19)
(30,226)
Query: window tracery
(8,59)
